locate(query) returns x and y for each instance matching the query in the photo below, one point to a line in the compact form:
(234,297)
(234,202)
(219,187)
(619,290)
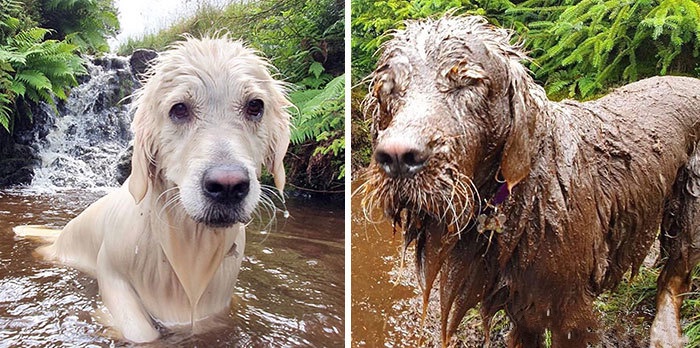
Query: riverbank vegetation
(580,50)
(40,42)
(304,40)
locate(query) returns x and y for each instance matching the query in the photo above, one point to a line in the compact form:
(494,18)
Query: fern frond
(34,80)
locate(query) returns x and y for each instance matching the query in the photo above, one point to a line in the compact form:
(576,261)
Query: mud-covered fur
(590,183)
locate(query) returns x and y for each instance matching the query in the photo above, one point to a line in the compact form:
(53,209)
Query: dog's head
(452,108)
(208,117)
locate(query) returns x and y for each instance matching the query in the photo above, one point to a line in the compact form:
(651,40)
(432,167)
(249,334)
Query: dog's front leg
(128,315)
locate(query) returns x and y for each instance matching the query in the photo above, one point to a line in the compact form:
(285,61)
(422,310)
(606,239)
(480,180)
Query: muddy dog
(524,204)
(166,248)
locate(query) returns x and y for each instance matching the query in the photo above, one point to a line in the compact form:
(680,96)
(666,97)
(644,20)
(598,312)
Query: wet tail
(37,231)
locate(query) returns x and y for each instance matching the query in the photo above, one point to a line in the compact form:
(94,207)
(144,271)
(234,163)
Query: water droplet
(285,214)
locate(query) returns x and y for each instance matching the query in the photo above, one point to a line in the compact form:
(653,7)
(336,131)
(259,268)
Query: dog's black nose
(401,160)
(227,184)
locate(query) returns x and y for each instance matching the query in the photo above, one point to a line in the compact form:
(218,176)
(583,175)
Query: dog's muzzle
(226,184)
(225,187)
(398,159)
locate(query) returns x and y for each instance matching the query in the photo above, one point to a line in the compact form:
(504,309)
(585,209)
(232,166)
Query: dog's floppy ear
(276,166)
(278,138)
(517,152)
(142,158)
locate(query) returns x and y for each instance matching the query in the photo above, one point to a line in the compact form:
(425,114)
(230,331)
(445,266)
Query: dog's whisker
(170,203)
(166,192)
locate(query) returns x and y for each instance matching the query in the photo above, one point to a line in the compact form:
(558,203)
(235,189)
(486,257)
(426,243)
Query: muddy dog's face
(208,117)
(447,119)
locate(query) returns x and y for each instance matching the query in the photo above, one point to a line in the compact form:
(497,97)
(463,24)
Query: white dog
(166,248)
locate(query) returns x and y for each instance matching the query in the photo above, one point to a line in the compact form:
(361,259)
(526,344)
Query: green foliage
(84,23)
(33,69)
(594,44)
(294,34)
(580,48)
(691,311)
(321,120)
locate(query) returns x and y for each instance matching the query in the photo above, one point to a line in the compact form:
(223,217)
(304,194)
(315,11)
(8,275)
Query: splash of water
(91,131)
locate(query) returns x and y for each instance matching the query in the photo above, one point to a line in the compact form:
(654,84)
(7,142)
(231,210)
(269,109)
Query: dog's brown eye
(254,109)
(179,112)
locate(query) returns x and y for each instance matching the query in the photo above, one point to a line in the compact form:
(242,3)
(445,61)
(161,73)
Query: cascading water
(91,130)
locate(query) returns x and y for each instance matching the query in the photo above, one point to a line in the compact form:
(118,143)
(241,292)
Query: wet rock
(16,171)
(140,61)
(123,169)
(111,62)
(18,150)
(81,137)
(17,164)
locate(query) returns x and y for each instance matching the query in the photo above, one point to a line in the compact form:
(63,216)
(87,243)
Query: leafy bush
(85,23)
(293,33)
(596,44)
(32,69)
(580,48)
(321,120)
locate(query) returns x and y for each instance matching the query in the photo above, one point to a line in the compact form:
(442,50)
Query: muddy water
(290,291)
(382,301)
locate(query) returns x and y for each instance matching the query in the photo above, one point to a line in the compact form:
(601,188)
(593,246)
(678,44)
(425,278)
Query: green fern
(611,42)
(317,109)
(33,69)
(321,119)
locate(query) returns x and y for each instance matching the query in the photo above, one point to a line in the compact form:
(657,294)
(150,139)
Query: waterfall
(91,130)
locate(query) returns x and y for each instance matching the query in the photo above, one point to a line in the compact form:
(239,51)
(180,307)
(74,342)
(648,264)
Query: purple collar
(501,195)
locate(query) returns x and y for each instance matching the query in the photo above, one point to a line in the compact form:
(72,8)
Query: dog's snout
(226,184)
(401,160)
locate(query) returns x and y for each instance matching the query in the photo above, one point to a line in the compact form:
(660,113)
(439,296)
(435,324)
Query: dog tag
(492,222)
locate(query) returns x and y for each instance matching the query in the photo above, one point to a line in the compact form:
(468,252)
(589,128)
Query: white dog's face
(208,118)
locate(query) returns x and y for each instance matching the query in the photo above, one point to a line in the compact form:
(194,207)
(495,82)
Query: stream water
(289,293)
(383,306)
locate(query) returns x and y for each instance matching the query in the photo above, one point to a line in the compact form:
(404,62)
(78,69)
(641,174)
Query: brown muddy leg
(680,241)
(673,283)
(573,339)
(519,338)
(578,328)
